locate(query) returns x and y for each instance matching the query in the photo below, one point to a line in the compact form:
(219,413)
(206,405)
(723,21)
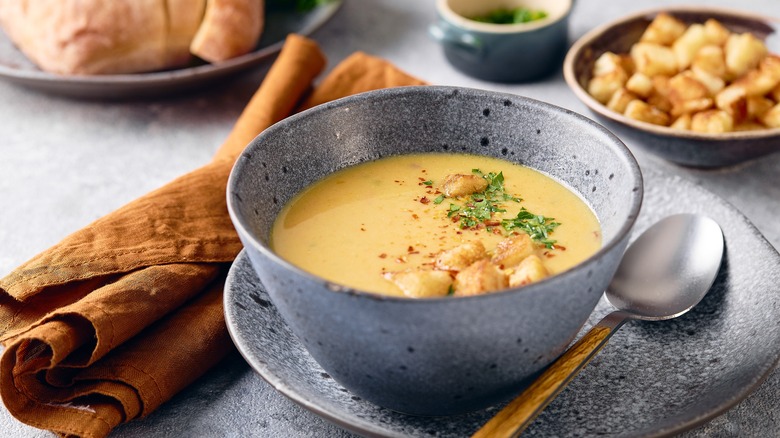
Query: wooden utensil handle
(521,412)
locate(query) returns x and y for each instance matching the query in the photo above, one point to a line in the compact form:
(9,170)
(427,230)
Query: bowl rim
(617,145)
(455,19)
(576,50)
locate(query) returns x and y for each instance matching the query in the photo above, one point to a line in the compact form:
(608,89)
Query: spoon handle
(521,412)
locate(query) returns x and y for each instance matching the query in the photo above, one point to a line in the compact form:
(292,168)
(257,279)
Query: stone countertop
(66,162)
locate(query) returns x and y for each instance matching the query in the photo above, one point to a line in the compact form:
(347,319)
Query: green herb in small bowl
(511,16)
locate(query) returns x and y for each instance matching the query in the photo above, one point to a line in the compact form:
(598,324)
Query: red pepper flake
(459,232)
(425,200)
(383,256)
(401,259)
(410,249)
(561,247)
(414,216)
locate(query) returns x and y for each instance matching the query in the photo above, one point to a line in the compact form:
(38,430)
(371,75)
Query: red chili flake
(400,260)
(459,232)
(383,256)
(561,247)
(421,179)
(410,249)
(425,200)
(414,216)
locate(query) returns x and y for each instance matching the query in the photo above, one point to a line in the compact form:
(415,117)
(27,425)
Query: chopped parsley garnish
(478,209)
(535,225)
(511,16)
(428,183)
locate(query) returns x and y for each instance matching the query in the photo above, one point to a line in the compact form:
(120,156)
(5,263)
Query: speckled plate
(15,67)
(652,379)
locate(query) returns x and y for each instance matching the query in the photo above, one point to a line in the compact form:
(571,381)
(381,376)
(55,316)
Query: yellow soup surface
(390,215)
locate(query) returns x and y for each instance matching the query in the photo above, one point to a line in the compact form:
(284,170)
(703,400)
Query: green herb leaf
(536,226)
(439,199)
(428,183)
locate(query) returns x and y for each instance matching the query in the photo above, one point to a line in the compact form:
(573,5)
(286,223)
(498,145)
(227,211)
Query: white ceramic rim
(443,7)
(664,131)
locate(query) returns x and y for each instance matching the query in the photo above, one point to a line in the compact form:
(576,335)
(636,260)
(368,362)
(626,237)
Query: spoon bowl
(663,274)
(668,269)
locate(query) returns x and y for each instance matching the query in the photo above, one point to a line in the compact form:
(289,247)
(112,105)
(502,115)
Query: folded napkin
(118,317)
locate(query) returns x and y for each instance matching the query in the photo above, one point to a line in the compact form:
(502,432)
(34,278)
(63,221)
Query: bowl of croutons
(698,87)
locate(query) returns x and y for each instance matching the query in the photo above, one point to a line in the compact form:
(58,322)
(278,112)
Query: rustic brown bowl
(681,147)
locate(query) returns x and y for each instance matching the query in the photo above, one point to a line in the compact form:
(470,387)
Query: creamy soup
(370,225)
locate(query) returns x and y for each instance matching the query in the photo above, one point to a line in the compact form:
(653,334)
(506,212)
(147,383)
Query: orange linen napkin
(118,317)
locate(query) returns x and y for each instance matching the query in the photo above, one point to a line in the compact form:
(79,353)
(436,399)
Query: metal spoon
(663,274)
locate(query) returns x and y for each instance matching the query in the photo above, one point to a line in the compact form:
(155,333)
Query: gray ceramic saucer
(15,67)
(652,379)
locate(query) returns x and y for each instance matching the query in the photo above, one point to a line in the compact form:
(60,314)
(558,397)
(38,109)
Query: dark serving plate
(16,68)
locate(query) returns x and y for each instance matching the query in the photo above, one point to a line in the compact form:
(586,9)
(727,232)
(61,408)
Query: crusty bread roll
(85,37)
(230,28)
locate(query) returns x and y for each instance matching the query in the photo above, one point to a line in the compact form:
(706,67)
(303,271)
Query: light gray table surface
(66,162)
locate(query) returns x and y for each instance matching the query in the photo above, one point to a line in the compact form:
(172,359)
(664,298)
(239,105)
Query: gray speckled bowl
(447,355)
(681,147)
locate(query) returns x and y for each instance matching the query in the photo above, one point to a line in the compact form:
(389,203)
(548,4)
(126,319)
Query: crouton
(620,100)
(530,270)
(688,44)
(712,121)
(715,32)
(479,278)
(604,86)
(461,256)
(640,84)
(743,52)
(664,29)
(422,283)
(642,111)
(654,59)
(711,59)
(512,250)
(455,185)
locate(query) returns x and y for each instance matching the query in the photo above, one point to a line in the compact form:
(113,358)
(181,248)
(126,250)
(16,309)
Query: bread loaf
(87,37)
(230,28)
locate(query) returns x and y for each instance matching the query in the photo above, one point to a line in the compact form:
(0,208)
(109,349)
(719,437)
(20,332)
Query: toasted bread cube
(603,87)
(770,66)
(530,270)
(743,52)
(664,29)
(461,256)
(639,110)
(422,283)
(713,83)
(692,106)
(607,63)
(620,100)
(512,250)
(688,44)
(685,87)
(715,31)
(683,122)
(757,82)
(687,95)
(479,278)
(758,106)
(640,84)
(711,59)
(455,185)
(712,121)
(772,117)
(733,100)
(659,98)
(654,59)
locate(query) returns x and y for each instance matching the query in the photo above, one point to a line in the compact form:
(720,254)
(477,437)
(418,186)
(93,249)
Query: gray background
(66,162)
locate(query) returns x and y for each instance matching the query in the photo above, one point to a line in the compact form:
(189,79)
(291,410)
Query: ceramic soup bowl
(445,355)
